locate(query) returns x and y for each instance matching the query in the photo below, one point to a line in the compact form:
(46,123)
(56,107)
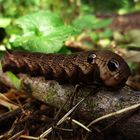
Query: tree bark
(126,125)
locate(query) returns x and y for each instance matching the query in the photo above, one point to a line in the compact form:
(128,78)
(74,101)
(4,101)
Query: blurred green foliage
(90,22)
(67,8)
(29,29)
(45,25)
(111,5)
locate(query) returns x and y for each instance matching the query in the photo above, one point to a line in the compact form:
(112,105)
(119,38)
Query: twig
(80,124)
(16,135)
(29,137)
(10,115)
(114,114)
(61,120)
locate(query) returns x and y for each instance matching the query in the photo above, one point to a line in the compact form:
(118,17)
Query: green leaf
(102,23)
(50,44)
(4,22)
(65,50)
(106,34)
(15,81)
(84,22)
(42,32)
(90,22)
(43,22)
(94,36)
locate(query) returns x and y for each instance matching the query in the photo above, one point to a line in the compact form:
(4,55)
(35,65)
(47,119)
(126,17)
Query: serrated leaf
(53,44)
(50,44)
(42,32)
(39,23)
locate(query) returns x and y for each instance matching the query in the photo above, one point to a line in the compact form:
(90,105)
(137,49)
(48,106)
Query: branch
(123,105)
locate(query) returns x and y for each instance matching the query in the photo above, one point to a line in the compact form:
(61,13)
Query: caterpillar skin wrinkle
(104,67)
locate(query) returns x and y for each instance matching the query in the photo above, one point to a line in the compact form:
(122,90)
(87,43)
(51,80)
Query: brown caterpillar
(104,67)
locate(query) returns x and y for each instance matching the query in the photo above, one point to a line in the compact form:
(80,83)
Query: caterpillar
(104,67)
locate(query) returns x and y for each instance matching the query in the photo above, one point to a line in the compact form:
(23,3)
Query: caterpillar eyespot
(113,65)
(91,58)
